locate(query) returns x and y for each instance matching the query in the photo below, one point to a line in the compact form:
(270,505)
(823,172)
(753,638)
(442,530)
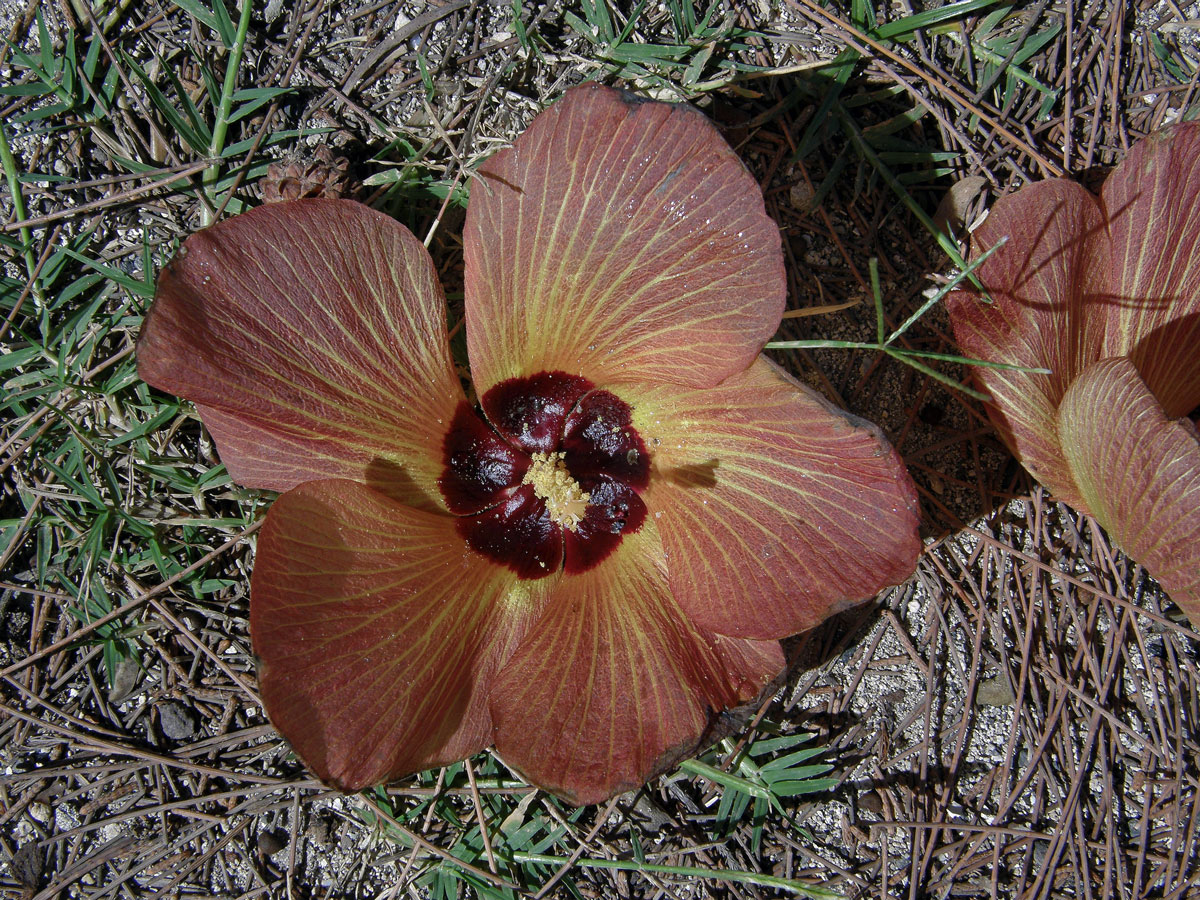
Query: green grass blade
(177,121)
(733,782)
(933,373)
(944,290)
(726,875)
(905,29)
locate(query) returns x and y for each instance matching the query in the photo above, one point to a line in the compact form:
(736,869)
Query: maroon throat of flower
(546,475)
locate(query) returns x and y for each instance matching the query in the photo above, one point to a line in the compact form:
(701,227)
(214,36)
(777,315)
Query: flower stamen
(565,500)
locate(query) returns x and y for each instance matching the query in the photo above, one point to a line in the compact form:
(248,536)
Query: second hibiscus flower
(1104,292)
(590,565)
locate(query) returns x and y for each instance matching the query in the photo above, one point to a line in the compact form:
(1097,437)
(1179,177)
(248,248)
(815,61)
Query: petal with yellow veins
(378,632)
(1152,204)
(613,685)
(619,239)
(312,337)
(777,510)
(1042,282)
(1138,472)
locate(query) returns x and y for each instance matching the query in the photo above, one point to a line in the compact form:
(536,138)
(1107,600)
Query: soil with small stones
(1016,720)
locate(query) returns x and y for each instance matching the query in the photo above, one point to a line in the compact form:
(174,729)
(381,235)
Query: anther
(565,500)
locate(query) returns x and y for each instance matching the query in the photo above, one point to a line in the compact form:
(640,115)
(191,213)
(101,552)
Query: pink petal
(1152,201)
(776,509)
(378,632)
(614,684)
(312,336)
(619,239)
(1139,474)
(1040,283)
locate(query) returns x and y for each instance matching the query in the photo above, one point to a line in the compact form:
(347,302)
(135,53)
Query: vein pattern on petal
(776,509)
(619,239)
(614,684)
(1138,473)
(315,331)
(378,632)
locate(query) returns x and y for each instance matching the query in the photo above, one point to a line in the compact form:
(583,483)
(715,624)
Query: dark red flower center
(546,474)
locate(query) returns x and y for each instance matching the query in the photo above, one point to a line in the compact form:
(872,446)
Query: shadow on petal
(312,337)
(393,480)
(693,475)
(1168,360)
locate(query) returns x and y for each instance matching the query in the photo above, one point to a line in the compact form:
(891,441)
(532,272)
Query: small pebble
(271,842)
(802,197)
(125,678)
(321,830)
(871,802)
(995,692)
(27,865)
(39,812)
(178,722)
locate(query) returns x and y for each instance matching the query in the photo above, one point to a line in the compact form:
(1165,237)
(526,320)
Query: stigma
(566,501)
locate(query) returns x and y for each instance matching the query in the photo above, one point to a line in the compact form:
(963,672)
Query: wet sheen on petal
(562,490)
(600,439)
(518,533)
(614,511)
(531,412)
(480,465)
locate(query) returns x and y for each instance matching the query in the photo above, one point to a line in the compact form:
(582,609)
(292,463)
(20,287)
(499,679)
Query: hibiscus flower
(1105,293)
(586,567)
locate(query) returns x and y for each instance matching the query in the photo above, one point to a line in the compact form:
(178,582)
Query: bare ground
(1017,720)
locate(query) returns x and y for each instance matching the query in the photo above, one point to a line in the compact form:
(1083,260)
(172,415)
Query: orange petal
(619,239)
(378,632)
(1152,202)
(312,335)
(613,684)
(1040,283)
(1139,474)
(776,509)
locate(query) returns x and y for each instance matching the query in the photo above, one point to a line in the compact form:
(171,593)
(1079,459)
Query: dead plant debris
(1017,720)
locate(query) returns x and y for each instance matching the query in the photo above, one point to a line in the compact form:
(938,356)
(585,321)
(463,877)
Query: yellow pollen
(565,500)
